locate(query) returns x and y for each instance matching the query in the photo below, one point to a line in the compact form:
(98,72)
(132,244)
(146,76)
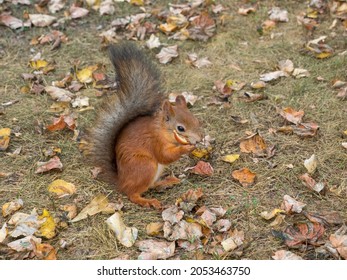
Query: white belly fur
(160,170)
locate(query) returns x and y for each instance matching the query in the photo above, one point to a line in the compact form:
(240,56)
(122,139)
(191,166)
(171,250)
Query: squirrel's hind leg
(135,179)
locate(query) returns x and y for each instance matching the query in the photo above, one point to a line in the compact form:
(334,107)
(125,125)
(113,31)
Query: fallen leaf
(25,224)
(10,21)
(24,244)
(326,218)
(59,94)
(303,233)
(238,120)
(97,205)
(290,205)
(55,5)
(5,134)
(188,96)
(278,14)
(78,12)
(244,176)
(167,54)
(252,97)
(61,188)
(339,241)
(277,221)
(154,250)
(10,207)
(311,183)
(3,232)
(254,144)
(302,129)
(85,75)
(107,8)
(286,66)
(182,231)
(38,64)
(311,164)
(172,215)
(235,240)
(125,235)
(53,163)
(202,27)
(47,228)
(291,115)
(153,42)
(269,215)
(80,102)
(189,199)
(44,251)
(285,255)
(41,20)
(198,62)
(202,152)
(344,144)
(202,168)
(267,77)
(154,229)
(245,11)
(342,94)
(62,122)
(222,225)
(319,49)
(231,158)
(208,218)
(258,84)
(300,73)
(70,210)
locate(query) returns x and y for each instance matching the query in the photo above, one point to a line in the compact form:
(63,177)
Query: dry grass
(235,43)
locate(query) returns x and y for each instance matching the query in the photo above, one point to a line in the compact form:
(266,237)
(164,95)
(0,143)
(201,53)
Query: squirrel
(137,131)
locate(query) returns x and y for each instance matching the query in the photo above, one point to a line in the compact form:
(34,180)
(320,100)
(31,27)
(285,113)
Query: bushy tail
(138,94)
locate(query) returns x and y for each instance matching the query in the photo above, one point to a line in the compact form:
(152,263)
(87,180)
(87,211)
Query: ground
(238,52)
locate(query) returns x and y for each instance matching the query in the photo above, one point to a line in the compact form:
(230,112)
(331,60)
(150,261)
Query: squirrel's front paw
(188,148)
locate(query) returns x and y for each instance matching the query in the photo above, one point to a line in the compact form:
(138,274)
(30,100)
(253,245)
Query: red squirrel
(137,131)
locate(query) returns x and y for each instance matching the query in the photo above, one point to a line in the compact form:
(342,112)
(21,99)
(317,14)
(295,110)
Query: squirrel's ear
(181,101)
(168,111)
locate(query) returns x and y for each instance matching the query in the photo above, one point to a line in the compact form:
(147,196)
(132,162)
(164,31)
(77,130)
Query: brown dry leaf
(125,235)
(342,94)
(172,215)
(246,11)
(44,251)
(268,25)
(188,96)
(285,255)
(189,199)
(59,94)
(167,54)
(291,115)
(339,241)
(62,122)
(324,217)
(3,232)
(24,244)
(319,49)
(5,134)
(202,168)
(78,12)
(183,231)
(290,205)
(300,73)
(25,224)
(208,218)
(258,85)
(244,176)
(238,120)
(271,76)
(222,225)
(106,8)
(41,20)
(286,66)
(278,14)
(277,221)
(234,241)
(47,228)
(303,129)
(303,233)
(10,207)
(154,229)
(53,163)
(70,210)
(154,250)
(254,144)
(198,62)
(61,188)
(55,5)
(10,21)
(311,183)
(248,96)
(203,27)
(97,205)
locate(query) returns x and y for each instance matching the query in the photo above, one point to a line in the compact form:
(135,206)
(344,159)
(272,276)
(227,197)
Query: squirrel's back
(138,94)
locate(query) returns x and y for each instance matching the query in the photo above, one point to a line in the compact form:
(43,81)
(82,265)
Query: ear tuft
(181,101)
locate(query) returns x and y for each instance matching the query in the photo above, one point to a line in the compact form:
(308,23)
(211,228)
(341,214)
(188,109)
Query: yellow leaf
(137,2)
(4,138)
(154,229)
(47,229)
(269,215)
(202,152)
(167,27)
(97,205)
(38,64)
(345,132)
(323,55)
(86,74)
(61,188)
(230,158)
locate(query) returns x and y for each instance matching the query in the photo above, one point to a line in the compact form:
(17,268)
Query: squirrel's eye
(180,128)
